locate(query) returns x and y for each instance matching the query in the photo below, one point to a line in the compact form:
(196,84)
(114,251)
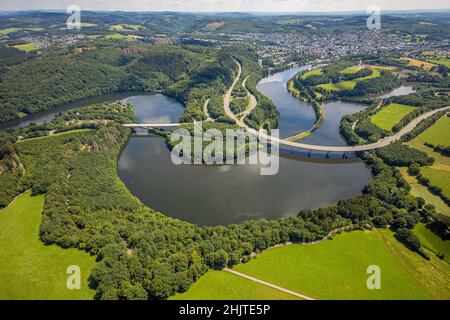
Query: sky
(225,5)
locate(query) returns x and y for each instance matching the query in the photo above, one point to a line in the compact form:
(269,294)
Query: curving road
(227,99)
(251,98)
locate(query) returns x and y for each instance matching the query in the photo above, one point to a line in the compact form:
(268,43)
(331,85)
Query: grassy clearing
(28,268)
(351,70)
(439,133)
(336,269)
(433,275)
(27,47)
(441,162)
(314,72)
(126,27)
(56,135)
(443,61)
(389,116)
(347,84)
(439,178)
(420,191)
(221,285)
(418,63)
(11,30)
(432,242)
(118,36)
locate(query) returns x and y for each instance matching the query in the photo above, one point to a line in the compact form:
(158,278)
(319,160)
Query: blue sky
(225,5)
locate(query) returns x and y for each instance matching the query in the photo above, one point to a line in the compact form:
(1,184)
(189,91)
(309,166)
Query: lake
(222,195)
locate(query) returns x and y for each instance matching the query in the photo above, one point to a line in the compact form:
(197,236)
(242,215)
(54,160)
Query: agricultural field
(314,72)
(351,70)
(221,285)
(440,60)
(439,178)
(389,116)
(420,191)
(118,36)
(418,63)
(432,242)
(11,30)
(126,27)
(347,84)
(336,269)
(28,268)
(27,47)
(438,134)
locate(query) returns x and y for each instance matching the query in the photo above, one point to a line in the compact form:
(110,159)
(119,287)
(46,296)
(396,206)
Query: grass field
(439,133)
(432,242)
(347,84)
(336,269)
(439,178)
(420,191)
(389,116)
(56,135)
(418,63)
(314,72)
(118,36)
(28,268)
(11,30)
(221,285)
(27,47)
(126,27)
(443,61)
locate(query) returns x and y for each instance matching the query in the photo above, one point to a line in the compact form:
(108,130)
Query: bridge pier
(309,154)
(328,155)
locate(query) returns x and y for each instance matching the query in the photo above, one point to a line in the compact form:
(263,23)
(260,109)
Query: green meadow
(221,285)
(27,47)
(443,61)
(336,269)
(439,178)
(420,191)
(432,242)
(389,116)
(30,270)
(439,133)
(348,84)
(314,72)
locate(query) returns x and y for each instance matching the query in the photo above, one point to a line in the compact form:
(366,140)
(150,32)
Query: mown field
(420,191)
(347,84)
(336,269)
(314,72)
(443,61)
(26,47)
(439,178)
(438,134)
(418,63)
(389,116)
(28,268)
(432,242)
(221,285)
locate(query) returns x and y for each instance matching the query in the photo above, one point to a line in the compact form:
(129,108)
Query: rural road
(251,98)
(205,110)
(267,284)
(227,99)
